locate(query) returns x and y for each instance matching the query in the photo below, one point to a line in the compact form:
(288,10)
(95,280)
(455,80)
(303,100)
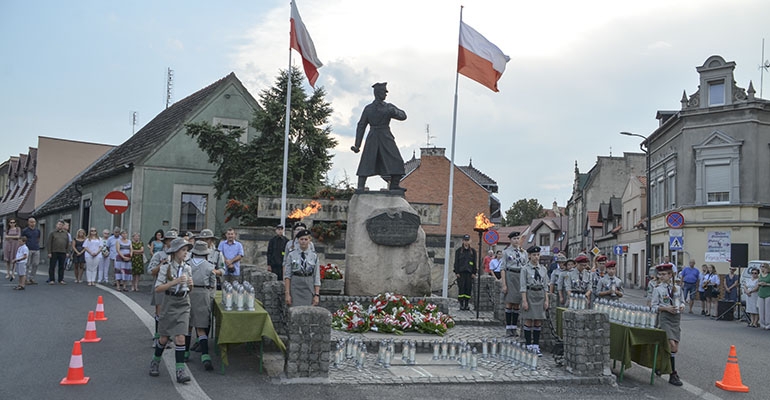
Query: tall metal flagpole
(286,134)
(445,283)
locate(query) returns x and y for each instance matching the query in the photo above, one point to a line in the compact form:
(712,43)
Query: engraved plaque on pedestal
(394,229)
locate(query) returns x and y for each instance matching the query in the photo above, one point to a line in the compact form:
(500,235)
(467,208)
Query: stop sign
(116,202)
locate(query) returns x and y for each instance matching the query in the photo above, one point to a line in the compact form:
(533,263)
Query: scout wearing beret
(301,273)
(667,297)
(534,301)
(579,279)
(610,286)
(465,270)
(292,244)
(514,257)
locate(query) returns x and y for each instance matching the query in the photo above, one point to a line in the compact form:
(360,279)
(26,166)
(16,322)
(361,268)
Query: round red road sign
(116,202)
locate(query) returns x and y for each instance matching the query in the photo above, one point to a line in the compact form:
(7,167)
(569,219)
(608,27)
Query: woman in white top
(93,254)
(750,288)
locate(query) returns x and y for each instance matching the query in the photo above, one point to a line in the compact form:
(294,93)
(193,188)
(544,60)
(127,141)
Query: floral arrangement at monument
(392,313)
(330,271)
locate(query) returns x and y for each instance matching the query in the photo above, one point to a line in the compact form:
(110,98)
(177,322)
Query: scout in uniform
(154,267)
(610,286)
(175,280)
(579,281)
(294,243)
(201,298)
(534,301)
(597,273)
(465,270)
(561,261)
(215,257)
(302,274)
(668,298)
(513,259)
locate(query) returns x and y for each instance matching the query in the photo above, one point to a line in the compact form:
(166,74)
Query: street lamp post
(645,147)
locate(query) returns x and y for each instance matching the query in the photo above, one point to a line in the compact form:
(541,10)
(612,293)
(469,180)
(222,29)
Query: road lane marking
(694,390)
(190,390)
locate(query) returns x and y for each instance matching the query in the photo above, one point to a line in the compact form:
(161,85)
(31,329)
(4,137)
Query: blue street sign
(676,243)
(618,250)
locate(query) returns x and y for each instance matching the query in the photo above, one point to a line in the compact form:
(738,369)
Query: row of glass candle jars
(509,350)
(240,296)
(628,314)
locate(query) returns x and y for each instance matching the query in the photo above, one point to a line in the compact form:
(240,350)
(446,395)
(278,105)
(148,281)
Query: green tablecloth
(233,327)
(638,345)
(629,344)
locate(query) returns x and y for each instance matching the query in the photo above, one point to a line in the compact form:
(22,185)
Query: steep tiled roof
(479,177)
(133,149)
(616,206)
(411,165)
(593,219)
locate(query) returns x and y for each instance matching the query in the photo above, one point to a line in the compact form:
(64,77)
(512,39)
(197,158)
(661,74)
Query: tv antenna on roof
(764,65)
(428,137)
(169,86)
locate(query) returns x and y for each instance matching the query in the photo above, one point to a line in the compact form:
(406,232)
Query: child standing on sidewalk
(667,296)
(21,262)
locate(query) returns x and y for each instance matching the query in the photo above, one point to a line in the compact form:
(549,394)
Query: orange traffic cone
(731,380)
(75,372)
(90,336)
(100,310)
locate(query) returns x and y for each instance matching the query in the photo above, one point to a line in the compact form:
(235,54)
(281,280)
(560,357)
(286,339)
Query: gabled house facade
(631,264)
(167,178)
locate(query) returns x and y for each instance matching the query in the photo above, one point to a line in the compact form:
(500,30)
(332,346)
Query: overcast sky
(580,72)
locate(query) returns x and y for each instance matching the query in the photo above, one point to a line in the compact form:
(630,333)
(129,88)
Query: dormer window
(716,93)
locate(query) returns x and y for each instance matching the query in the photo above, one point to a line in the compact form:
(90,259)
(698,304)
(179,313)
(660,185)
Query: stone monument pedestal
(385,247)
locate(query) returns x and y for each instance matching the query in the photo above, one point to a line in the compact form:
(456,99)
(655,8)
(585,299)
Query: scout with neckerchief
(154,267)
(302,274)
(667,296)
(201,299)
(534,299)
(579,280)
(175,280)
(514,257)
(610,287)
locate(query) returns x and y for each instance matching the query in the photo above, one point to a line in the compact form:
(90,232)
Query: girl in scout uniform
(175,280)
(154,267)
(534,301)
(668,298)
(514,258)
(205,283)
(610,286)
(579,280)
(301,273)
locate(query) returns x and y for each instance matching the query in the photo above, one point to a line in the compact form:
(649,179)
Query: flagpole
(286,133)
(445,283)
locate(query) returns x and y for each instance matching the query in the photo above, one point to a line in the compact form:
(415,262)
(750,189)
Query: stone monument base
(385,247)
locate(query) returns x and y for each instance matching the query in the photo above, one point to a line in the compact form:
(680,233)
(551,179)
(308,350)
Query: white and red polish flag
(301,41)
(479,59)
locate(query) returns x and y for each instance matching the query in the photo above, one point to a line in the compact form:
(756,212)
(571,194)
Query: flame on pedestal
(482,222)
(310,209)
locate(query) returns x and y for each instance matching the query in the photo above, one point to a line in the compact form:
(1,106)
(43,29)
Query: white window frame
(713,87)
(234,123)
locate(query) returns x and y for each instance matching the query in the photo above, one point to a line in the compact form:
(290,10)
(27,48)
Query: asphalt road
(42,322)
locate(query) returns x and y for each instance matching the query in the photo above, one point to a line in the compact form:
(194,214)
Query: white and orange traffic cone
(75,374)
(90,336)
(100,310)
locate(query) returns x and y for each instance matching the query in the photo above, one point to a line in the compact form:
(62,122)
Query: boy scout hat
(177,244)
(302,233)
(205,234)
(299,224)
(170,235)
(466,237)
(201,248)
(665,267)
(533,249)
(513,234)
(611,264)
(560,258)
(581,259)
(601,258)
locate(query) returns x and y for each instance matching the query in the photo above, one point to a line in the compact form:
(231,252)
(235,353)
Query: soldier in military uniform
(465,269)
(579,281)
(668,298)
(610,287)
(514,257)
(534,301)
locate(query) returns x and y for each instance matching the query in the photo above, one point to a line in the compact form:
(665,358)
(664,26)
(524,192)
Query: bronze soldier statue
(381,155)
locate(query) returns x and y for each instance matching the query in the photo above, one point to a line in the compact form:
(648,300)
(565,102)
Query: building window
(717,184)
(716,93)
(193,212)
(545,239)
(232,124)
(653,198)
(671,190)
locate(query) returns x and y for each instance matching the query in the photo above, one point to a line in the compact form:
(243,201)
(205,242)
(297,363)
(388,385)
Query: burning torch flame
(310,209)
(482,223)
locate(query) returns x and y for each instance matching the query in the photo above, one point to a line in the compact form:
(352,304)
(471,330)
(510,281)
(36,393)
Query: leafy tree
(523,212)
(245,171)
